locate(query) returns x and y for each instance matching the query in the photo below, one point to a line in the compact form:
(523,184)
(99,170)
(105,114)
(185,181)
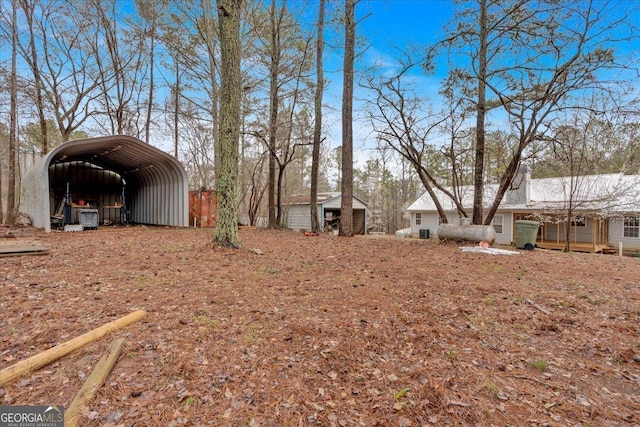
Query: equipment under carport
(88,218)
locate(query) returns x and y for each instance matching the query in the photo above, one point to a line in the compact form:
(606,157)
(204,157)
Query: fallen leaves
(328,331)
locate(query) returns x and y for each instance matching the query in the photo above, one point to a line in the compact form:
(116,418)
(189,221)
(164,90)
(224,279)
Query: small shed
(112,178)
(203,208)
(329,212)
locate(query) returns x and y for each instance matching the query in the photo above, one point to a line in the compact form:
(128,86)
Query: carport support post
(67,206)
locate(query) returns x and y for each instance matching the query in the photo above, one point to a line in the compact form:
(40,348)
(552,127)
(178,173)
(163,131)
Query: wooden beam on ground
(90,387)
(17,247)
(37,361)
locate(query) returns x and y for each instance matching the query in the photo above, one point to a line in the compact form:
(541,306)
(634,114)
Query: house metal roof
(608,194)
(305,199)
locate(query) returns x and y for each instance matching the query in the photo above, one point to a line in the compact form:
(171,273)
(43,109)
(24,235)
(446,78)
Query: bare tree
(226,231)
(121,69)
(257,185)
(404,122)
(317,132)
(150,11)
(190,34)
(346,206)
(197,152)
(69,74)
(541,58)
(13,120)
(31,56)
(274,72)
(288,53)
(574,153)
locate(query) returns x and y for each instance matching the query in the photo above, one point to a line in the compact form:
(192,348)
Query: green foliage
(401,393)
(538,364)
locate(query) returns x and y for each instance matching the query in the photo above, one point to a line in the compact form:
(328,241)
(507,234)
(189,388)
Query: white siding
(430,221)
(506,238)
(299,217)
(336,202)
(616,236)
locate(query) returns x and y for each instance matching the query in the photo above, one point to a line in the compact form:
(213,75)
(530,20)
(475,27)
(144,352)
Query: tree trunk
(507,177)
(147,124)
(478,184)
(11,184)
(176,112)
(346,207)
(317,131)
(214,90)
(273,115)
(28,8)
(567,230)
(280,212)
(226,231)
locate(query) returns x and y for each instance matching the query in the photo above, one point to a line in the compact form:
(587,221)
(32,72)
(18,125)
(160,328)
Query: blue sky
(399,22)
(390,25)
(386,27)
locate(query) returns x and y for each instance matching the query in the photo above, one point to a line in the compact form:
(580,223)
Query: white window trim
(418,218)
(629,227)
(501,223)
(579,221)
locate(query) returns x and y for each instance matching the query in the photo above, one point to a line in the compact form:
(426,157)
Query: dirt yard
(293,330)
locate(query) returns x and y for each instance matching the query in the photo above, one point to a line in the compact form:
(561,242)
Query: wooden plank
(37,361)
(95,380)
(15,247)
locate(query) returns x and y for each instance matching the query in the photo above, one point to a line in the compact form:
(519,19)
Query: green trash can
(526,234)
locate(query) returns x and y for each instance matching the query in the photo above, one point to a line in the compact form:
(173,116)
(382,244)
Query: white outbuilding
(329,212)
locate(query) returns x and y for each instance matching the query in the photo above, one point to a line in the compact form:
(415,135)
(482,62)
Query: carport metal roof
(161,186)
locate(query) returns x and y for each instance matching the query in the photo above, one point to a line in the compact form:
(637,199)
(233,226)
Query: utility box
(526,234)
(88,218)
(424,233)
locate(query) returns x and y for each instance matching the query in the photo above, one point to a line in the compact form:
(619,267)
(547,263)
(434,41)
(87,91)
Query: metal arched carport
(108,171)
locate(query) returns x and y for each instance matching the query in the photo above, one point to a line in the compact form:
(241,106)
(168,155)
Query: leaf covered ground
(295,330)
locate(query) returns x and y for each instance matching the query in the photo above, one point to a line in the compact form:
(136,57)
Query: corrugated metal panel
(203,208)
(156,183)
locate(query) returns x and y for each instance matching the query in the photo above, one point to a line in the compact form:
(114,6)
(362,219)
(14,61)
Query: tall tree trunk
(346,207)
(280,211)
(567,230)
(147,125)
(478,184)
(176,112)
(226,231)
(28,8)
(317,131)
(214,92)
(13,121)
(273,114)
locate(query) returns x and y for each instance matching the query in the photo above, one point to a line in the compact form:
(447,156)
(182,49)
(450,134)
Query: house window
(631,227)
(418,218)
(498,221)
(579,221)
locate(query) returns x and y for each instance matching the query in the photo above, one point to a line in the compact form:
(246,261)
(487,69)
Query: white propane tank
(471,233)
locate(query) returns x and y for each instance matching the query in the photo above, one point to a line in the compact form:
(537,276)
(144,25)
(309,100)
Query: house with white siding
(298,212)
(606,210)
